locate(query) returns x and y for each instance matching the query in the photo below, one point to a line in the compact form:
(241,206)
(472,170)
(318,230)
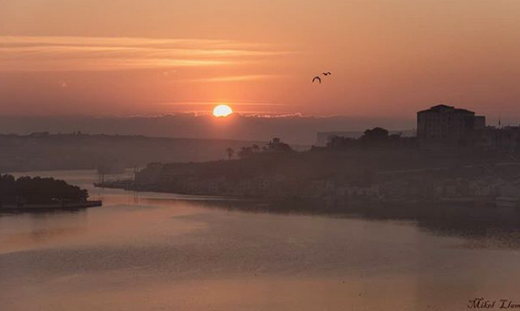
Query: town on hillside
(453,158)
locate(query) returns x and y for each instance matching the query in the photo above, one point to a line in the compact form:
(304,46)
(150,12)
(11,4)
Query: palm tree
(230,152)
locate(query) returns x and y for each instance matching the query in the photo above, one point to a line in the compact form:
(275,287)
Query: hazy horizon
(294,129)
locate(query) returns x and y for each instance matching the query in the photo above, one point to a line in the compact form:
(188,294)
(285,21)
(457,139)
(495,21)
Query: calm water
(162,252)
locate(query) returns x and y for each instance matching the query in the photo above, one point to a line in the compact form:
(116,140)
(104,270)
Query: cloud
(21,53)
(238,78)
(205,103)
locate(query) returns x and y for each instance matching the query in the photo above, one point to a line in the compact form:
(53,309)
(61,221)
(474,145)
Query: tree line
(37,190)
(274,146)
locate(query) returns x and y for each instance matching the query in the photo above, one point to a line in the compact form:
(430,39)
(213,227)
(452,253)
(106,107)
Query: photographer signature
(482,303)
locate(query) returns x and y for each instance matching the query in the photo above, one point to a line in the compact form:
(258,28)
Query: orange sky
(388,58)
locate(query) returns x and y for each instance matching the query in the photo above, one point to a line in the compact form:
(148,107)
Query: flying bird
(316,78)
(328,73)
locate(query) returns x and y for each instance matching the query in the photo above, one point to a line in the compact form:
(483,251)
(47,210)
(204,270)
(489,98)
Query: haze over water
(156,252)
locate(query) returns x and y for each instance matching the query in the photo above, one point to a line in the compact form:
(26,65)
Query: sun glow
(222,111)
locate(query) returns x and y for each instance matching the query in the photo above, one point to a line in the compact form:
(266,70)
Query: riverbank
(361,196)
(452,214)
(50,207)
(361,176)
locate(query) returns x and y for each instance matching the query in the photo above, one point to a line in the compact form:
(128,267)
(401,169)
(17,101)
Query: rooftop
(446,108)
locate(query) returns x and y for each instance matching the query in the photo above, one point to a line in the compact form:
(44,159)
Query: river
(165,252)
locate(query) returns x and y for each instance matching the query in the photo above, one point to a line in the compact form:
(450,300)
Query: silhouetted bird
(316,78)
(328,73)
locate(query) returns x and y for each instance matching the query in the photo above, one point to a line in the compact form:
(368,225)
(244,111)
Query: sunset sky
(389,58)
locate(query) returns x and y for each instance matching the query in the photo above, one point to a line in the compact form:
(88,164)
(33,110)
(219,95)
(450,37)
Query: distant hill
(44,151)
(293,129)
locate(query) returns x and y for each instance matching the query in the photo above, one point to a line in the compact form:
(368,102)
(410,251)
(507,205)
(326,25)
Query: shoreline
(50,207)
(469,201)
(458,213)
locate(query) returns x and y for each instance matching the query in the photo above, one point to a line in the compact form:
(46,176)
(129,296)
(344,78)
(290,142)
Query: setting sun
(222,111)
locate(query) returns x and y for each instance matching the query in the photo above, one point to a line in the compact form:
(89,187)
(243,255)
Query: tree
(230,152)
(276,145)
(7,189)
(376,134)
(245,152)
(38,190)
(340,143)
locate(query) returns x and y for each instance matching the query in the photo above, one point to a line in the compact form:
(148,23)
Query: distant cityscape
(454,126)
(448,126)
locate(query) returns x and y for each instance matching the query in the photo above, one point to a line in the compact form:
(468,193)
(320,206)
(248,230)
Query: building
(447,124)
(504,138)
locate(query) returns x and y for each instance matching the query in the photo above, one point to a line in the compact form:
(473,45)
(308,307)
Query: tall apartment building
(447,124)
